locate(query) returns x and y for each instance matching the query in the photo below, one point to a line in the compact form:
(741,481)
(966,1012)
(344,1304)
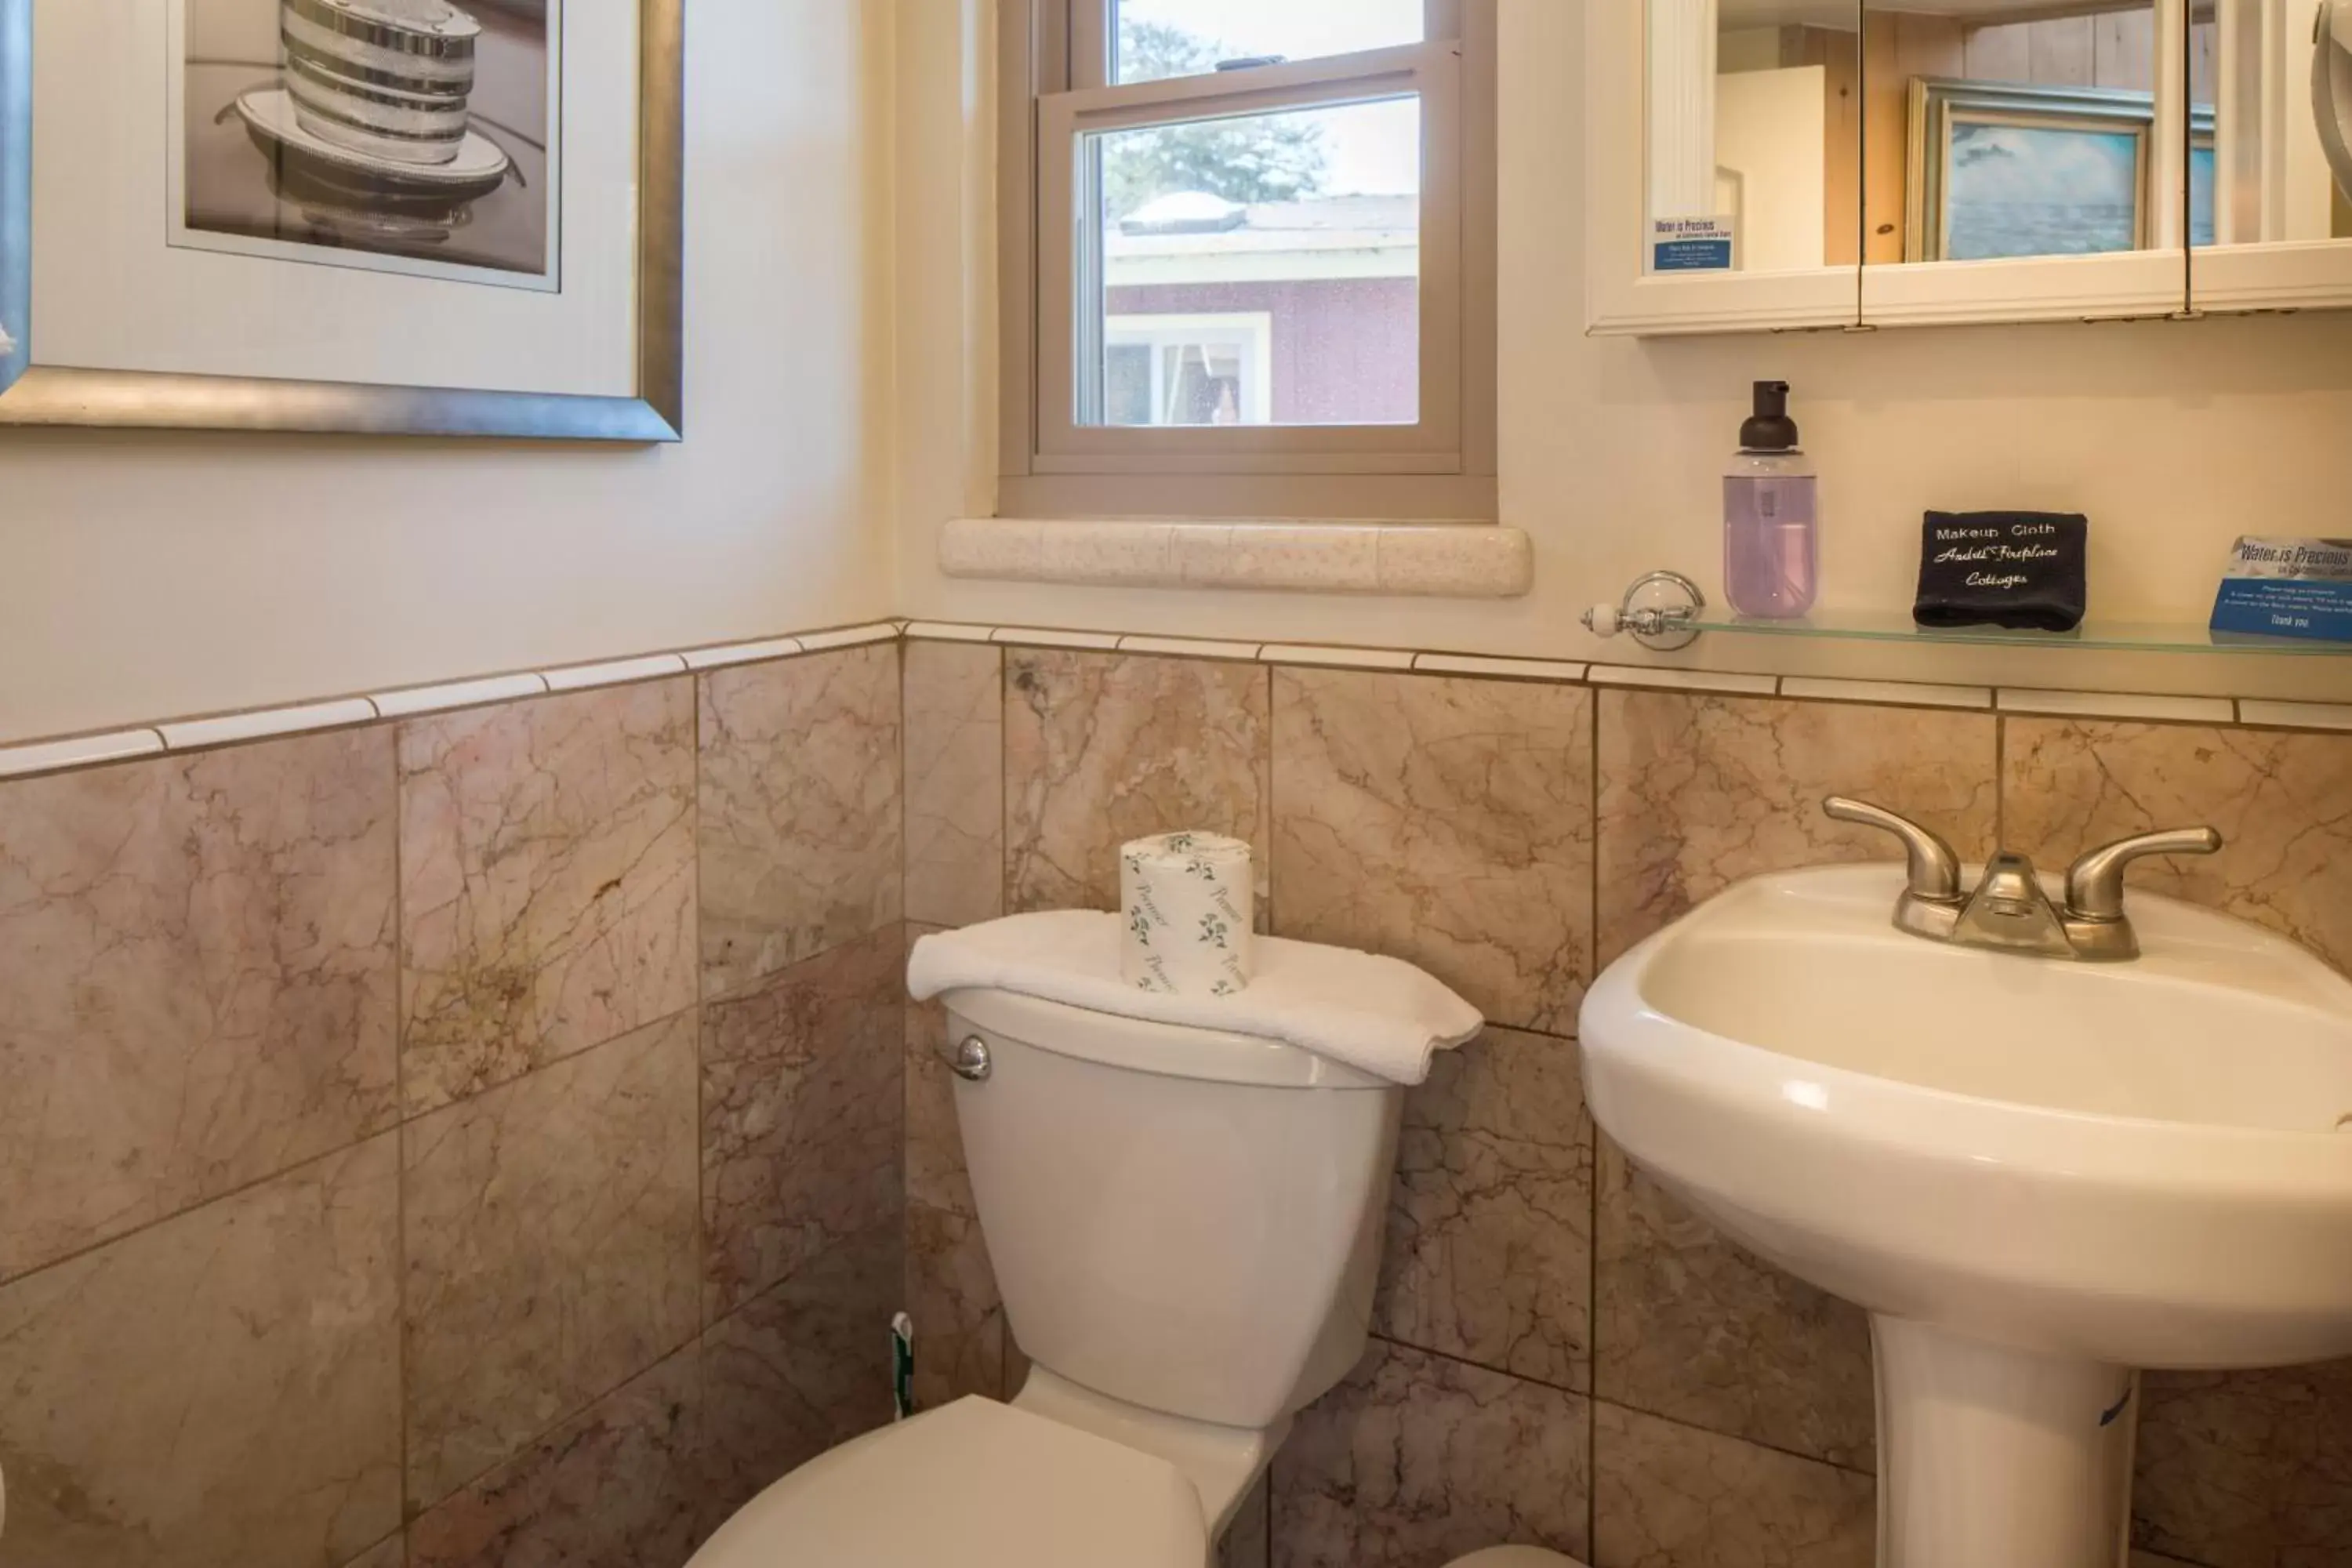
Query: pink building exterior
(1344,350)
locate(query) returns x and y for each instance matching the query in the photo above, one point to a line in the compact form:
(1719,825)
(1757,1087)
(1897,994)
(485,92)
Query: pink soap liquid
(1770,567)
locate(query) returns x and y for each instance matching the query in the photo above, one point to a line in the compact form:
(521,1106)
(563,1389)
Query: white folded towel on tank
(1379,1014)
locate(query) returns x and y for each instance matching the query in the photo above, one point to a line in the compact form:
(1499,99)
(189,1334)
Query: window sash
(1430,71)
(1086,29)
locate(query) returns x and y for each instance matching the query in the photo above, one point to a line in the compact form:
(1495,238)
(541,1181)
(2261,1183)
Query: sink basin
(2037,1175)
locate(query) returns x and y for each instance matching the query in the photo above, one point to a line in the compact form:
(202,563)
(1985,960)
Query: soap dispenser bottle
(1769,566)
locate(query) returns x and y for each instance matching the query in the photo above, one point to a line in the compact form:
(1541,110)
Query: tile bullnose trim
(725,654)
(411,700)
(2294,715)
(849,636)
(226,729)
(616,672)
(1337,657)
(1683,679)
(1895,693)
(1054,636)
(1412,560)
(1550,669)
(1189,647)
(80,752)
(2117,705)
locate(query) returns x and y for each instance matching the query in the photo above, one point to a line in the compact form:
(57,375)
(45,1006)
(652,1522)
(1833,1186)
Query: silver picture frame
(36,395)
(1938,104)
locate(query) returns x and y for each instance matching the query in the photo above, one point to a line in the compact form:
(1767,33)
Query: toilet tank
(1183,1219)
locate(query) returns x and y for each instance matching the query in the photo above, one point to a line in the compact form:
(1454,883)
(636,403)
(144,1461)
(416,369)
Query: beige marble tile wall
(469,1140)
(1563,1353)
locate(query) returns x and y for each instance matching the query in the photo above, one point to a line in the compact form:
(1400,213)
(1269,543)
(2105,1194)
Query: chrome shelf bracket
(1660,610)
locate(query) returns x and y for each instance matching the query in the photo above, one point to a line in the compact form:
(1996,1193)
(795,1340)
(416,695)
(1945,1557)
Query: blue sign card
(2287,588)
(1691,244)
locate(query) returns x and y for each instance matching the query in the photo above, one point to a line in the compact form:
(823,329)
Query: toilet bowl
(1185,1228)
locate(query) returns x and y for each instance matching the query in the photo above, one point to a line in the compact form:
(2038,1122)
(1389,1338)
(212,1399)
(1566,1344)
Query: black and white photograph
(409,136)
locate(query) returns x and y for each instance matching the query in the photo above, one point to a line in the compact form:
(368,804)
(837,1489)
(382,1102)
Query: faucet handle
(2094,882)
(1933,870)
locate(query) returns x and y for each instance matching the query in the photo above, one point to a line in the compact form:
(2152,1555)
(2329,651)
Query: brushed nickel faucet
(2009,912)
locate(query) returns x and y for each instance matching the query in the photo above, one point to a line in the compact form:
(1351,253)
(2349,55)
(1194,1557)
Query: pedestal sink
(2037,1176)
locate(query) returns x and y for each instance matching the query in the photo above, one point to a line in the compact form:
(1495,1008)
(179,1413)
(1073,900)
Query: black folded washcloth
(2017,569)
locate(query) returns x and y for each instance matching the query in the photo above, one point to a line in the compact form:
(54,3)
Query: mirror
(1972,160)
(2000,128)
(2273,80)
(1755,135)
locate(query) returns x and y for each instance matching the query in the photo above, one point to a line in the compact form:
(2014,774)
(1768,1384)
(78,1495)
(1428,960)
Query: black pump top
(1771,431)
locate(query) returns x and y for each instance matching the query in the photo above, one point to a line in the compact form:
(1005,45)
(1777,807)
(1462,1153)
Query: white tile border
(74,751)
(1336,657)
(726,653)
(1683,679)
(848,637)
(80,752)
(1191,648)
(1508,669)
(410,701)
(2294,715)
(261,723)
(615,672)
(1897,693)
(2117,705)
(1051,637)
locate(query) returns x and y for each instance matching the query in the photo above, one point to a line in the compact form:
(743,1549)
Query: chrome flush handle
(969,1060)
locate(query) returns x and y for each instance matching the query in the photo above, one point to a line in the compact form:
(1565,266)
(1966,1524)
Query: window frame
(1055,55)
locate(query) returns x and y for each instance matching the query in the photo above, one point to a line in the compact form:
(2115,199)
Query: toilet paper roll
(1189,899)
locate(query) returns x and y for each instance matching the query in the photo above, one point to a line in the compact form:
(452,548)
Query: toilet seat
(975,1483)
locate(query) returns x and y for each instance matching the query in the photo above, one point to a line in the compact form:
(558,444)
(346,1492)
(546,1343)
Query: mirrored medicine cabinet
(1773,165)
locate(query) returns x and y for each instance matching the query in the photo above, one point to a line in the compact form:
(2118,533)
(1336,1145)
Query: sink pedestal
(1989,1455)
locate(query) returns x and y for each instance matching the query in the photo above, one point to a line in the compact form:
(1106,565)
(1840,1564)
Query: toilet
(1185,1226)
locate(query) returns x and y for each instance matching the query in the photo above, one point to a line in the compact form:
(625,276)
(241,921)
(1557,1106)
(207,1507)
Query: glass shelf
(2114,636)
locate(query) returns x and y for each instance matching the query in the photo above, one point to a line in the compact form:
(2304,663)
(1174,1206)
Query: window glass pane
(1257,270)
(1155,39)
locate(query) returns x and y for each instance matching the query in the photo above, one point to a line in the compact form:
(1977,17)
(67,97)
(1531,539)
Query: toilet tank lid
(976,1484)
(1144,1045)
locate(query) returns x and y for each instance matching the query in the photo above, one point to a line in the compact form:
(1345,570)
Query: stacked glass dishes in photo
(389,80)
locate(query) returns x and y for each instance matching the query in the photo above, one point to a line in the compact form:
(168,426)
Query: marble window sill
(1441,560)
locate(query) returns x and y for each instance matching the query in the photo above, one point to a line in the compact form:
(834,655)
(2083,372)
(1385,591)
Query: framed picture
(2000,170)
(446,217)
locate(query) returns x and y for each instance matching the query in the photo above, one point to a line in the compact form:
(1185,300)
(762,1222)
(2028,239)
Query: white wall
(2174,436)
(148,576)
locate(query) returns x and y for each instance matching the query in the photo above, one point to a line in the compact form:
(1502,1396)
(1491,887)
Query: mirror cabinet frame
(1623,298)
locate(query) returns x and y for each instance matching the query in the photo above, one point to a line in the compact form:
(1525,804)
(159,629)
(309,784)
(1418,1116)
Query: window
(1248,257)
